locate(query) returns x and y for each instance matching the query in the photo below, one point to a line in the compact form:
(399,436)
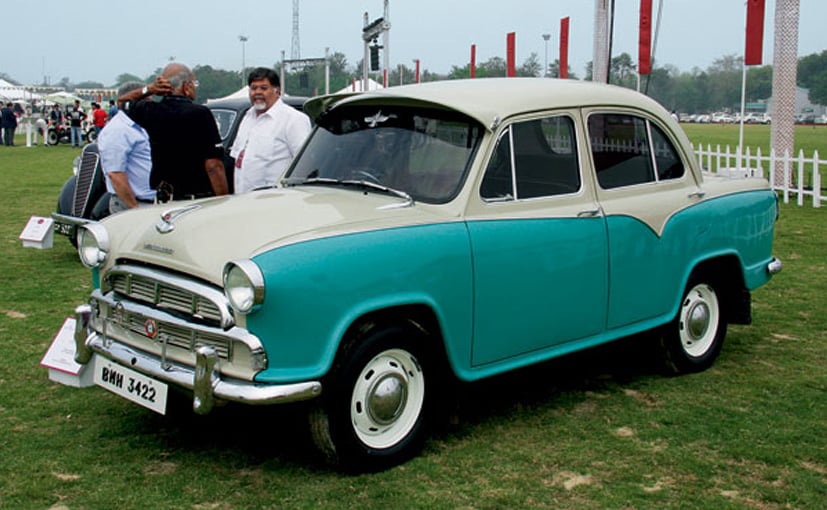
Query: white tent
(62,98)
(243,92)
(356,86)
(16,92)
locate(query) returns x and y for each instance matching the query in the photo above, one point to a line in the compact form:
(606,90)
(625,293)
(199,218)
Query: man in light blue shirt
(126,159)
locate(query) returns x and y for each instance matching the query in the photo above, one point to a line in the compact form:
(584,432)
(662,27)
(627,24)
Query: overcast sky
(97,40)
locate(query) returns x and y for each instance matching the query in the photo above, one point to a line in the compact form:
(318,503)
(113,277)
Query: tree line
(718,87)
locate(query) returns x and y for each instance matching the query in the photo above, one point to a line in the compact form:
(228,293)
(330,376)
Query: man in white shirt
(269,136)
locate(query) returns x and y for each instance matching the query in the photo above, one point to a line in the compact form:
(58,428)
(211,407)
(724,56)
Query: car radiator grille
(162,295)
(85,179)
(183,337)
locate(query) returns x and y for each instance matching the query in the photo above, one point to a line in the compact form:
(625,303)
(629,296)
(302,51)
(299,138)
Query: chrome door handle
(589,214)
(697,194)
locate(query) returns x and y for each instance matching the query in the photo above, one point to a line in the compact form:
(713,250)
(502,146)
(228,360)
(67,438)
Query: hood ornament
(168,218)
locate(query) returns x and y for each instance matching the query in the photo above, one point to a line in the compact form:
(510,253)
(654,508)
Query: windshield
(424,153)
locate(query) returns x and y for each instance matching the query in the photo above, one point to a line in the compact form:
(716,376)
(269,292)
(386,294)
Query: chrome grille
(84,182)
(148,290)
(176,336)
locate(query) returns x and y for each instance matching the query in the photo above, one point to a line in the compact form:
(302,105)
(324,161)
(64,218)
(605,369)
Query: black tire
(373,412)
(693,340)
(91,136)
(52,138)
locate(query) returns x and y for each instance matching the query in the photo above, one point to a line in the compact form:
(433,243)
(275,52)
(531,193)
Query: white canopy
(356,86)
(16,92)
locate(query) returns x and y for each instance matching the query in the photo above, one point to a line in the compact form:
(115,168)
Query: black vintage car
(83,197)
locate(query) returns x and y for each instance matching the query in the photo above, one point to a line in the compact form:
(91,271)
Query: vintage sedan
(427,234)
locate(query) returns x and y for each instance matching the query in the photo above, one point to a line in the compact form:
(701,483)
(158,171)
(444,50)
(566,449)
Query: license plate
(131,385)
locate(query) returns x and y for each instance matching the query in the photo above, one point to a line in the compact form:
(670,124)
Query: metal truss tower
(295,49)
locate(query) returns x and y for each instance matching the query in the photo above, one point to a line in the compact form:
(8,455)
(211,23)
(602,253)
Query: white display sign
(60,359)
(38,233)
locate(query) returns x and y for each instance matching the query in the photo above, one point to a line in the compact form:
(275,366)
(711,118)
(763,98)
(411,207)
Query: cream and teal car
(427,234)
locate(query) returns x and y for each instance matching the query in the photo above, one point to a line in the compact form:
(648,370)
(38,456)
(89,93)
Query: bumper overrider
(96,332)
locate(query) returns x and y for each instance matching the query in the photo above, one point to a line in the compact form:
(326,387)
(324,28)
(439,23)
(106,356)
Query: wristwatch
(145,91)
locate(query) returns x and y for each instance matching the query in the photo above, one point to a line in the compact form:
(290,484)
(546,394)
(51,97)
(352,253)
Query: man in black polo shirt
(187,155)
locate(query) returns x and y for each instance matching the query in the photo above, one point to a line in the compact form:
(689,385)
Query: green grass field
(600,429)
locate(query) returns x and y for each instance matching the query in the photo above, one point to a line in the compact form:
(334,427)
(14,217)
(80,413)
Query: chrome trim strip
(774,267)
(217,297)
(203,380)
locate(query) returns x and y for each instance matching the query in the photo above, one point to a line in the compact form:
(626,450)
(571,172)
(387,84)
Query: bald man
(187,154)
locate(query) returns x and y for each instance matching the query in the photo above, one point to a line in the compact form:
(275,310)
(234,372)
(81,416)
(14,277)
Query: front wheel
(693,340)
(52,138)
(374,414)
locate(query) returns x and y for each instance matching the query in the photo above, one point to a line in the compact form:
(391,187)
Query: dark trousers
(8,136)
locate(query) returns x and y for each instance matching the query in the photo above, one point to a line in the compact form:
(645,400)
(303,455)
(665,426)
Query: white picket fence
(788,175)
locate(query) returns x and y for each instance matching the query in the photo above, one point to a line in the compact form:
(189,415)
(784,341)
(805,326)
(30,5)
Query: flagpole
(743,104)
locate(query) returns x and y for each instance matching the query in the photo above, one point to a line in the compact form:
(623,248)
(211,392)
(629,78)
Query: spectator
(8,121)
(126,158)
(98,118)
(269,136)
(113,108)
(187,155)
(76,118)
(55,116)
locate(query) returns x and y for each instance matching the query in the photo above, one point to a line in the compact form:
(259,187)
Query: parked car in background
(83,196)
(757,118)
(426,234)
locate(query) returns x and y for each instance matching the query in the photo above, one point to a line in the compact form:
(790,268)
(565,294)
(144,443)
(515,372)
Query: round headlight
(243,285)
(93,244)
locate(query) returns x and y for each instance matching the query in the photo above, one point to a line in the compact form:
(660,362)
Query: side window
(539,156)
(620,150)
(622,147)
(668,162)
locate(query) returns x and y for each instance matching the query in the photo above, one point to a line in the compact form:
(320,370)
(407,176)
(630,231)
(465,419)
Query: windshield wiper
(354,182)
(381,187)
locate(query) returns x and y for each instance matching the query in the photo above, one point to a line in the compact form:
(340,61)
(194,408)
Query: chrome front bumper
(204,380)
(774,267)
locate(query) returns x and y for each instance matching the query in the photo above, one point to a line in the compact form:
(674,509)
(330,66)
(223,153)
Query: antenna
(295,49)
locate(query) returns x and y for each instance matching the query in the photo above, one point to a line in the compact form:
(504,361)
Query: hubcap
(698,320)
(700,315)
(387,399)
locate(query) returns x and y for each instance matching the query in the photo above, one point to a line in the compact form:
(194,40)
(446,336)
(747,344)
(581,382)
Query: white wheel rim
(700,315)
(387,398)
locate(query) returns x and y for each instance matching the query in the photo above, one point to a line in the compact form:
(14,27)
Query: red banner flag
(645,39)
(473,61)
(564,47)
(755,33)
(510,66)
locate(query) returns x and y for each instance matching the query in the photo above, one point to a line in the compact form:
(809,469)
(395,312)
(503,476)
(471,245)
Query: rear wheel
(373,416)
(693,340)
(52,137)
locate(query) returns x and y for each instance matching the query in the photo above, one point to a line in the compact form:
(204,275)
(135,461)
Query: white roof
(491,100)
(12,92)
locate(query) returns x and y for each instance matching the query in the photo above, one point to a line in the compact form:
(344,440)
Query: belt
(192,196)
(143,201)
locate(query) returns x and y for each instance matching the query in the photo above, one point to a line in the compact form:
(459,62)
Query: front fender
(315,290)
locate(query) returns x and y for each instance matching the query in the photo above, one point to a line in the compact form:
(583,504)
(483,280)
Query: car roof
(491,100)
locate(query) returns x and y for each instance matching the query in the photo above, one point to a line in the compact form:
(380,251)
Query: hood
(206,234)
